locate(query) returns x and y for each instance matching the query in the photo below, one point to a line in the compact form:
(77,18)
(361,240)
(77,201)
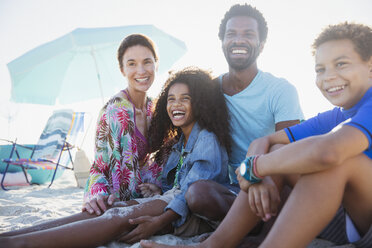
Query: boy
(331,154)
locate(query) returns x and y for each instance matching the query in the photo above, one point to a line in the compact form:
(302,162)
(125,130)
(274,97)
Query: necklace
(179,165)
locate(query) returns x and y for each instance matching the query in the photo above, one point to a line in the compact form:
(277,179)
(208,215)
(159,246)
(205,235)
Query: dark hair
(134,40)
(244,10)
(360,35)
(208,108)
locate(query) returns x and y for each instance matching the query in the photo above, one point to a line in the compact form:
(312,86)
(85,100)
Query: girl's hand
(149,189)
(146,226)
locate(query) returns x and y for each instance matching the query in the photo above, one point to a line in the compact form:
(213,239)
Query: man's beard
(242,63)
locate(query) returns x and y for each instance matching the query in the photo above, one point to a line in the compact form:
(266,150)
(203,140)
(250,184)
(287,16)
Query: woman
(122,160)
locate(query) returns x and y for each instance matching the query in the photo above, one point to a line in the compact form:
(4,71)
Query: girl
(188,112)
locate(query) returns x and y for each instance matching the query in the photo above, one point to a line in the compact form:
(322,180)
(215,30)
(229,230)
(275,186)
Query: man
(259,104)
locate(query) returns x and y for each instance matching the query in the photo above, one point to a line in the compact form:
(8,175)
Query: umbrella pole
(98,75)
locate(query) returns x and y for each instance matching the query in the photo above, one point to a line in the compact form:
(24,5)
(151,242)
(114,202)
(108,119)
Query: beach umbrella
(82,65)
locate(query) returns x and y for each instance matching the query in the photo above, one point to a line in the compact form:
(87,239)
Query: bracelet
(246,170)
(255,167)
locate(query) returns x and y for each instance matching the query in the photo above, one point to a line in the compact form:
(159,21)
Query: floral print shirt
(116,167)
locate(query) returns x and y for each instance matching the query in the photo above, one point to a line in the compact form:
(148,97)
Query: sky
(293,25)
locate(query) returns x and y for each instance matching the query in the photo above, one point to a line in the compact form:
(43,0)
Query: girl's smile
(179,107)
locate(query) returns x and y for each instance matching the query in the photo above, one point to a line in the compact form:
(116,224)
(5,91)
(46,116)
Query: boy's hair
(134,40)
(208,109)
(360,35)
(244,10)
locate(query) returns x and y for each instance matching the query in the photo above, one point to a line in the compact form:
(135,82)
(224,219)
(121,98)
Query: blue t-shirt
(359,116)
(255,110)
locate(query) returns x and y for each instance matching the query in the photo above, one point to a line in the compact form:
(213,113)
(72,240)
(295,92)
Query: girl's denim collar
(192,139)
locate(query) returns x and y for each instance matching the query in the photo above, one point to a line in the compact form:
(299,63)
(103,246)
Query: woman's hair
(134,40)
(208,109)
(360,35)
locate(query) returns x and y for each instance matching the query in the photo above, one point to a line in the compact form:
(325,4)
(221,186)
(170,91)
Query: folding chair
(52,154)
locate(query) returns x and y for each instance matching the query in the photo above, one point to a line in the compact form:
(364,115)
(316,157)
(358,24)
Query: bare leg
(63,221)
(316,198)
(210,199)
(91,232)
(50,224)
(237,223)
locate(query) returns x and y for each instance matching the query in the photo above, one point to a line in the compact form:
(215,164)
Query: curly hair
(244,10)
(360,35)
(208,108)
(134,40)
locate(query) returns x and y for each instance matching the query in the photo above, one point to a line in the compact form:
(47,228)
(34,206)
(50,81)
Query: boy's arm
(264,198)
(262,145)
(315,153)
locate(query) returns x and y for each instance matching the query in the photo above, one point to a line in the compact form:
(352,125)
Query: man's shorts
(341,230)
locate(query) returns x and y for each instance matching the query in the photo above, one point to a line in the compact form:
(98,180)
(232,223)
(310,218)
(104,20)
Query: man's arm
(284,124)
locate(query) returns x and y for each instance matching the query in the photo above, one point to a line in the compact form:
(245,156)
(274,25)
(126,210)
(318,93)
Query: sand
(30,205)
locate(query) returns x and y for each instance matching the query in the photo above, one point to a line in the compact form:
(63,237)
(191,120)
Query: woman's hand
(149,189)
(99,204)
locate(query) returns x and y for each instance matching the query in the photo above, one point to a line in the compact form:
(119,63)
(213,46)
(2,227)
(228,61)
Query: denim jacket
(203,158)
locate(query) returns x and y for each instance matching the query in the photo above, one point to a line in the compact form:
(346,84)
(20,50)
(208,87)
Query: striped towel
(54,135)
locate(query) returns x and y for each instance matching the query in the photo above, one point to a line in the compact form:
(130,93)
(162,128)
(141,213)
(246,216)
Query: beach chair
(46,160)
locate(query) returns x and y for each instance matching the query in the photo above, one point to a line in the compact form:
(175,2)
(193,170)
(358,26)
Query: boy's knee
(276,147)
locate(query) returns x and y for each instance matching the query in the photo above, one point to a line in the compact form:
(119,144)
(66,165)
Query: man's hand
(146,227)
(149,189)
(264,199)
(99,204)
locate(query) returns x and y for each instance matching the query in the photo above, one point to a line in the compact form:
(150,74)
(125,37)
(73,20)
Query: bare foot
(201,237)
(152,244)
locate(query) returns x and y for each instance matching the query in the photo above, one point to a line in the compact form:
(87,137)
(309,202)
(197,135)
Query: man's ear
(370,67)
(261,47)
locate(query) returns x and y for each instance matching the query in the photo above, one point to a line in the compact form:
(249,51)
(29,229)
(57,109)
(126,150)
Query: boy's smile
(342,76)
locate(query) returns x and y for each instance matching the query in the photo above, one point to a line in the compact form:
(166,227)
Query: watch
(246,170)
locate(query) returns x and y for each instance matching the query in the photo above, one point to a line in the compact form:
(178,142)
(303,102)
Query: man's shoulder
(218,78)
(272,79)
(276,84)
